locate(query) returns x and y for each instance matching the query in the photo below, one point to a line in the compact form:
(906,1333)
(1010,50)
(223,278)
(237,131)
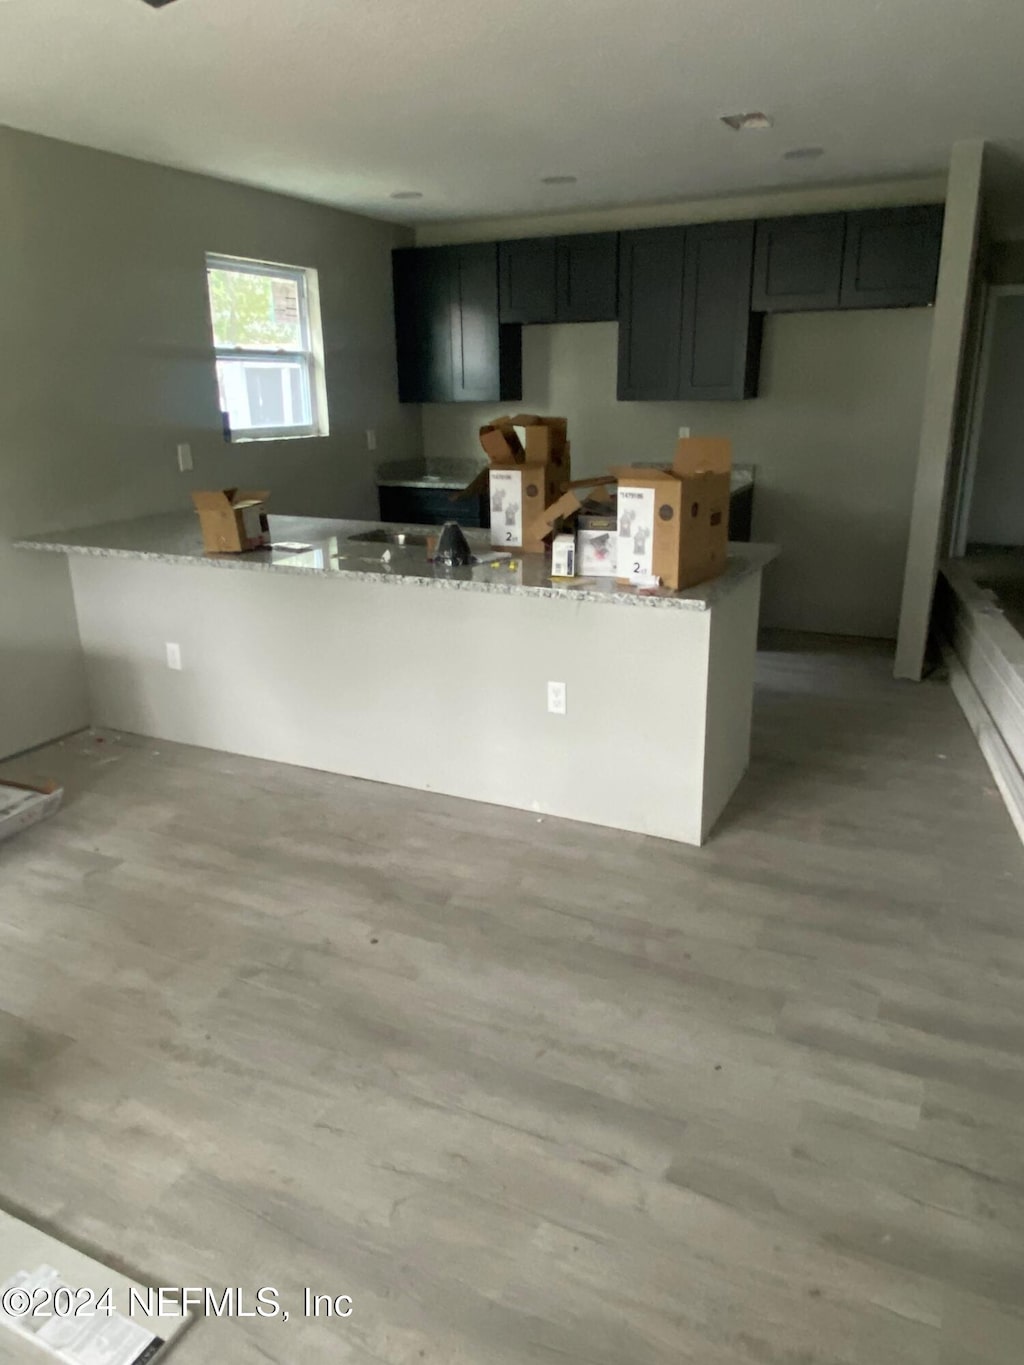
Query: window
(266,337)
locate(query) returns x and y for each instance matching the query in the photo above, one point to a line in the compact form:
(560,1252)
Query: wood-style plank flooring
(531,1091)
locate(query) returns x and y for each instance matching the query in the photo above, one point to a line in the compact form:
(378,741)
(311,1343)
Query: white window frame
(310,354)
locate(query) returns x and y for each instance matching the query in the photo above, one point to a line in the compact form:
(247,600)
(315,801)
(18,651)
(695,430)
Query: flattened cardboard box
(232,520)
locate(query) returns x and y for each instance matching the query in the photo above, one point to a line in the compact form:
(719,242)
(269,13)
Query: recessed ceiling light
(407,194)
(743,123)
(558,180)
(803,153)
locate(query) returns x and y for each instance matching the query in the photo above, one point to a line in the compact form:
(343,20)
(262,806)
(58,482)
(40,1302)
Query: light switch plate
(184,457)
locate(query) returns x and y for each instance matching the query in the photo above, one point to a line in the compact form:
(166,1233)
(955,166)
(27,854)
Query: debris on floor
(23,804)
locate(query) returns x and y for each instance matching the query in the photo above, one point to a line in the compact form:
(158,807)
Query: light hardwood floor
(531,1091)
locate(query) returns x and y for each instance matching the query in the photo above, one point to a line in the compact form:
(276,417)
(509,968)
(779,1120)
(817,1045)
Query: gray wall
(997,498)
(105,365)
(833,435)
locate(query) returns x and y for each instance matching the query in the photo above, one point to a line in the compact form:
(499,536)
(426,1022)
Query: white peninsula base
(407,683)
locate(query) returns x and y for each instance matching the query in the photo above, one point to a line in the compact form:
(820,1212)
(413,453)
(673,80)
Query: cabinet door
(588,277)
(650,312)
(423,323)
(721,338)
(487,358)
(528,277)
(798,263)
(892,257)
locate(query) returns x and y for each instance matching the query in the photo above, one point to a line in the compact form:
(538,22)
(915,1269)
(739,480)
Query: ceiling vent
(744,123)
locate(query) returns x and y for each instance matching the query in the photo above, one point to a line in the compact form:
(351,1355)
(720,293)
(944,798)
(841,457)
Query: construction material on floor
(74,1308)
(22,805)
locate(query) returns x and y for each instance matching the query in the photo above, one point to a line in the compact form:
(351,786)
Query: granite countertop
(309,545)
(440,481)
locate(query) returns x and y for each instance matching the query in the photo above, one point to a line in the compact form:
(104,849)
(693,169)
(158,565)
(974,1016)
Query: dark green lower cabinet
(412,506)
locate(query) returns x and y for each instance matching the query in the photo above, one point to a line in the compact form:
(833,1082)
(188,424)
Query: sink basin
(385,537)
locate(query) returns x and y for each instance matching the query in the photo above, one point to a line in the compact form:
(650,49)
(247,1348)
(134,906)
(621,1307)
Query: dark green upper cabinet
(528,278)
(423,323)
(721,345)
(685,326)
(450,345)
(650,312)
(891,258)
(798,263)
(559,279)
(588,277)
(690,301)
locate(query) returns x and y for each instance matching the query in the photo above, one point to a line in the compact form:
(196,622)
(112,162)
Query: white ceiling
(473,101)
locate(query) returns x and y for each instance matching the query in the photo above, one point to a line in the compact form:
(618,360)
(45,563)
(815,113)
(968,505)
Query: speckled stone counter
(308,545)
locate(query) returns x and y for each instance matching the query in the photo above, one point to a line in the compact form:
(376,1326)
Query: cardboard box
(526,439)
(519,493)
(597,545)
(674,523)
(559,514)
(563,556)
(528,468)
(232,520)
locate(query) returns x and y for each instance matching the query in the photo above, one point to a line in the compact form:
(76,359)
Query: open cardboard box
(526,439)
(232,520)
(528,466)
(673,523)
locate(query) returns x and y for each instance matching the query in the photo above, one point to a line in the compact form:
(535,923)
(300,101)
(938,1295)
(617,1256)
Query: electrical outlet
(371,439)
(174,657)
(556,698)
(684,431)
(184,457)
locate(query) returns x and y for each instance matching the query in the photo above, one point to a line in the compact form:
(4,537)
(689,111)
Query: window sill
(249,438)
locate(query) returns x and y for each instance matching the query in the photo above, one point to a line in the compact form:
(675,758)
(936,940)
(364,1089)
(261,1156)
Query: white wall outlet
(684,431)
(556,698)
(174,657)
(184,457)
(371,439)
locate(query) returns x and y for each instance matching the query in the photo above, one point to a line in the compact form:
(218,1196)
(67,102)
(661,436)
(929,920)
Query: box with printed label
(673,524)
(518,495)
(528,467)
(596,546)
(563,556)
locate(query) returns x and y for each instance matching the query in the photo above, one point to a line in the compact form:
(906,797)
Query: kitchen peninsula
(339,649)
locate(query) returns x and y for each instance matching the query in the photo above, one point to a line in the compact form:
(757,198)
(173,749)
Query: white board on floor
(61,1305)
